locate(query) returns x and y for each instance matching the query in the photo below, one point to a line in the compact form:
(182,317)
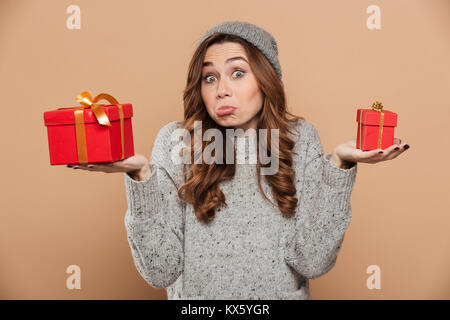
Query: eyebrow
(209,63)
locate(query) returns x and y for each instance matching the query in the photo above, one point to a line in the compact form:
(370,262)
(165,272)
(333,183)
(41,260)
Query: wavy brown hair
(202,180)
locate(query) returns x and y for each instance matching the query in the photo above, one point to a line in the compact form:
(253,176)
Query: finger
(352,143)
(389,150)
(99,167)
(397,141)
(106,164)
(81,166)
(398,150)
(396,153)
(371,154)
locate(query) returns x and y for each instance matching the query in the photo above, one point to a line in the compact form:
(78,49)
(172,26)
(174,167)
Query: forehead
(220,52)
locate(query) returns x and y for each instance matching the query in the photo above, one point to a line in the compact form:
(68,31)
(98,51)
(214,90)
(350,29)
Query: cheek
(254,96)
(208,99)
(205,95)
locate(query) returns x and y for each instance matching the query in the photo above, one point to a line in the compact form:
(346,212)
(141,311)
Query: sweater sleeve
(323,214)
(154,221)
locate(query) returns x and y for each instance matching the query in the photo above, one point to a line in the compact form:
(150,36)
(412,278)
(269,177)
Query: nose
(223,88)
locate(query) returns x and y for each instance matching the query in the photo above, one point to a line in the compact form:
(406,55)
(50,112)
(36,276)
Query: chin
(228,121)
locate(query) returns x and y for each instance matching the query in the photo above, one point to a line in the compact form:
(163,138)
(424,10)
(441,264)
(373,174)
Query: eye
(240,72)
(209,75)
(206,78)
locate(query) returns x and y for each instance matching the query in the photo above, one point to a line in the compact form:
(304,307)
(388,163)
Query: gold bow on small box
(86,101)
(376,106)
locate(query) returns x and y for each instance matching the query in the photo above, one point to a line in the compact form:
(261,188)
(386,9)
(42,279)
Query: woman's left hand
(348,153)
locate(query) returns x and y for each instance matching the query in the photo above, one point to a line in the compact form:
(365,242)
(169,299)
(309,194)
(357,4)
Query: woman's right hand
(136,166)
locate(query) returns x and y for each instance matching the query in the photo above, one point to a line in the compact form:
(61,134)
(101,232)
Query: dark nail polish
(69,166)
(380,152)
(406,146)
(396,148)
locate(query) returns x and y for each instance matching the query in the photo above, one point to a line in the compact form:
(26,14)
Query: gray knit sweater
(251,250)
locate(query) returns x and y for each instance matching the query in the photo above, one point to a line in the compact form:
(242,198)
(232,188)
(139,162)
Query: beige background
(138,51)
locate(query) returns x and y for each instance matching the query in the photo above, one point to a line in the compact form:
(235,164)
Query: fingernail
(380,152)
(69,166)
(396,148)
(90,166)
(406,146)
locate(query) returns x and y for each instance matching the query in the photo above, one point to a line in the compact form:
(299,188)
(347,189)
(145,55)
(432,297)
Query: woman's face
(227,80)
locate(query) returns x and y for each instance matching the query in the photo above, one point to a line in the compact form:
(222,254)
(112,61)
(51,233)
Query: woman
(224,230)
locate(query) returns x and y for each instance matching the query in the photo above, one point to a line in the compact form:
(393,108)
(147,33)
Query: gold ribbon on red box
(376,106)
(86,101)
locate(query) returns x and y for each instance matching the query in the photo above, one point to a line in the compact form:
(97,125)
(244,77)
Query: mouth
(225,110)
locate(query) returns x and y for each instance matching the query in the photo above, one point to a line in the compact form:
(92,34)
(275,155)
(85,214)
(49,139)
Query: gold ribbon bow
(86,101)
(376,106)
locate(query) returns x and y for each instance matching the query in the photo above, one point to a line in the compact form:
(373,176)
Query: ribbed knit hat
(257,36)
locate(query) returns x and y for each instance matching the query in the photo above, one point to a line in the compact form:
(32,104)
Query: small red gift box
(90,133)
(375,128)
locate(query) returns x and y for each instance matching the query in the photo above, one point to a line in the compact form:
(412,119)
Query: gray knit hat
(257,36)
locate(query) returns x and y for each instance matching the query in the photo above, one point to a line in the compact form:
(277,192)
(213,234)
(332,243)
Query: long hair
(201,187)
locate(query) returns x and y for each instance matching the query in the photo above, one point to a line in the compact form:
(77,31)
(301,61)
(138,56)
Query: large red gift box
(90,133)
(375,128)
